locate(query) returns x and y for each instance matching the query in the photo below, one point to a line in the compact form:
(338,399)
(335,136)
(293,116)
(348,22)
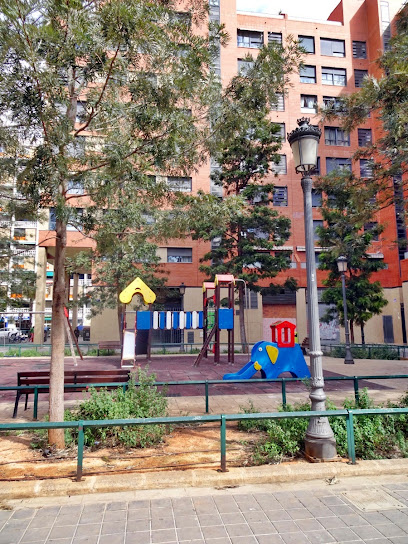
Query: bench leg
(16,404)
(26,402)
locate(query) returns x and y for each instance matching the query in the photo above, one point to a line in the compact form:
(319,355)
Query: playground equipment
(274,358)
(137,287)
(216,318)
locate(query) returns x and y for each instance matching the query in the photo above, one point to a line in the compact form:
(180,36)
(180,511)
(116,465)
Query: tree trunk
(241,305)
(56,403)
(352,331)
(121,319)
(362,334)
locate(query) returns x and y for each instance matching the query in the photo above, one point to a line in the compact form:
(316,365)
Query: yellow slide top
(137,287)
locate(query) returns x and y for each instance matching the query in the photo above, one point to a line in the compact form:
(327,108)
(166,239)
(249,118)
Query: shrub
(138,401)
(374,352)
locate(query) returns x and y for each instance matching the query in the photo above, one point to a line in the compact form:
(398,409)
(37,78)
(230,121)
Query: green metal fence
(222,419)
(206,383)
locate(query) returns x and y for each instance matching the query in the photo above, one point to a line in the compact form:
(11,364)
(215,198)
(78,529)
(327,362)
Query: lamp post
(320,443)
(182,290)
(342,266)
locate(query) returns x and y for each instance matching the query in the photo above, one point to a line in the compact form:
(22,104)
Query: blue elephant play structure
(274,358)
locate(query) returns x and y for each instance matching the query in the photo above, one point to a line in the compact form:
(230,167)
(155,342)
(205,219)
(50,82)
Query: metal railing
(222,419)
(207,383)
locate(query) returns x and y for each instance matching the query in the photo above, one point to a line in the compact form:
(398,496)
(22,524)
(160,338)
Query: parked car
(13,334)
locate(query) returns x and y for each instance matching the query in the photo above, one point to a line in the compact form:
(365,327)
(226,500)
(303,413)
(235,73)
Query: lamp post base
(348,359)
(320,449)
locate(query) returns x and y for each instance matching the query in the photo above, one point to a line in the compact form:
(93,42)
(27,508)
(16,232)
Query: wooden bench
(109,345)
(81,378)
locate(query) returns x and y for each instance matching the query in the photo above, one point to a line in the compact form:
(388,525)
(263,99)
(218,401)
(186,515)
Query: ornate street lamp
(319,441)
(342,266)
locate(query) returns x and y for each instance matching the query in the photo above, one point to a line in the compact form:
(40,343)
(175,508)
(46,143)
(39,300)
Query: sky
(311,9)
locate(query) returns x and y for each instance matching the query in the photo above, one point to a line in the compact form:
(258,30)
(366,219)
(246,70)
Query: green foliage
(376,436)
(142,401)
(377,352)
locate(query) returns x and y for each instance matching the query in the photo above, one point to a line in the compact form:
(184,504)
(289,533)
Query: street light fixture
(342,266)
(320,443)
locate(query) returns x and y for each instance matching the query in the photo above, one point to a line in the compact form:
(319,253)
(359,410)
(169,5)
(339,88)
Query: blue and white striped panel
(175,321)
(182,320)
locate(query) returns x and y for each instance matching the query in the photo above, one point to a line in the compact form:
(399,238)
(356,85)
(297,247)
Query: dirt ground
(185,448)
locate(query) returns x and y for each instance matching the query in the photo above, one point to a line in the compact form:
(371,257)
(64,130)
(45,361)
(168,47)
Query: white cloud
(314,9)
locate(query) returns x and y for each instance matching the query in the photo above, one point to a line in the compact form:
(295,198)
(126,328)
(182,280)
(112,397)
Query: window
(281,131)
(308,103)
(364,137)
(308,74)
(280,196)
(332,103)
(19,234)
(182,17)
(316,224)
(250,38)
(81,113)
(274,37)
(179,184)
(307,42)
(372,228)
(280,168)
(336,136)
(279,105)
(251,299)
(316,199)
(75,187)
(74,220)
(359,50)
(359,76)
(332,48)
(366,169)
(244,66)
(179,255)
(337,163)
(333,76)
(316,171)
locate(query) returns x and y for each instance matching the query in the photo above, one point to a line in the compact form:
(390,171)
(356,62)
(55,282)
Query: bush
(376,352)
(142,401)
(376,436)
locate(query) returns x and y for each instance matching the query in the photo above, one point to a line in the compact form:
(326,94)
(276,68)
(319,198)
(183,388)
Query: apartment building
(340,52)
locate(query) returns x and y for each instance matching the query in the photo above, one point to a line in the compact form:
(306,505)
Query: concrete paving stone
(160,503)
(263,528)
(34,535)
(112,539)
(403,525)
(116,506)
(91,517)
(23,513)
(269,503)
(342,510)
(164,535)
(5,515)
(243,540)
(66,519)
(10,536)
(396,486)
(138,538)
(71,509)
(374,518)
(277,515)
(367,532)
(241,529)
(332,523)
(354,520)
(93,508)
(218,541)
(396,516)
(320,511)
(320,537)
(214,531)
(138,505)
(225,507)
(269,539)
(377,541)
(91,539)
(398,540)
(207,520)
(299,513)
(113,527)
(87,530)
(18,524)
(307,525)
(181,503)
(243,498)
(186,521)
(136,525)
(162,523)
(390,529)
(67,531)
(332,500)
(189,533)
(115,515)
(295,538)
(233,518)
(48,511)
(142,513)
(344,534)
(42,521)
(291,503)
(286,527)
(283,495)
(59,541)
(255,516)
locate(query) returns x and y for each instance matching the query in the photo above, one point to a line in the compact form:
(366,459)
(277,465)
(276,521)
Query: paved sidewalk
(316,513)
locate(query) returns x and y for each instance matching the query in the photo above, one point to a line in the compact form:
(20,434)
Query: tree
(348,208)
(384,98)
(99,90)
(248,144)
